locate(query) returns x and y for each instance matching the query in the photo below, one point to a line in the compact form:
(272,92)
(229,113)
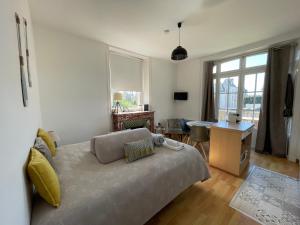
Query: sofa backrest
(110,147)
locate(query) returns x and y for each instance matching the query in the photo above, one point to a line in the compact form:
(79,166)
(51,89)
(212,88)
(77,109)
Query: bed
(119,192)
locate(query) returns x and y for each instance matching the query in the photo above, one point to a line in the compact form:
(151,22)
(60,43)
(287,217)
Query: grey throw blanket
(89,187)
(158,139)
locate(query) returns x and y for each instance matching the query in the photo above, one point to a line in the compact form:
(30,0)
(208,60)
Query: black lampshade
(179,53)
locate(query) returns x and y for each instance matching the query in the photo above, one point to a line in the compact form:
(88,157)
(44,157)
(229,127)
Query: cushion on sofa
(44,178)
(110,147)
(138,149)
(48,140)
(40,145)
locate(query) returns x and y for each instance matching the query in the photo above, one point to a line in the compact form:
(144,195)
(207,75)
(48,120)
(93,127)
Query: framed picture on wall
(21,61)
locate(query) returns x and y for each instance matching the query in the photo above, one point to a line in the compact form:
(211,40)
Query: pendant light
(179,53)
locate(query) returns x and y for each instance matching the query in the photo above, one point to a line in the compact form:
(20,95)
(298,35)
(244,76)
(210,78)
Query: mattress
(119,192)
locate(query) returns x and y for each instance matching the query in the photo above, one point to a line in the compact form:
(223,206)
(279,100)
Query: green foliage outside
(128,103)
(250,100)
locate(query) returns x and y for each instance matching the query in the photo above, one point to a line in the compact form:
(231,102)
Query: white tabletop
(200,123)
(241,126)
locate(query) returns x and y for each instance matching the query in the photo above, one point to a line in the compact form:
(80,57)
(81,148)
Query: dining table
(229,145)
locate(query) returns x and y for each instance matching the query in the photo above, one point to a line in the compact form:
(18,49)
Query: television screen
(180,96)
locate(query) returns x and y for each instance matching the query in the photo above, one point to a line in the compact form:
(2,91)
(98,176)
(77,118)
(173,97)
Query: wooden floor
(207,203)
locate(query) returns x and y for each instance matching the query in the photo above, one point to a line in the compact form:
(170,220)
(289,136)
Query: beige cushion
(110,147)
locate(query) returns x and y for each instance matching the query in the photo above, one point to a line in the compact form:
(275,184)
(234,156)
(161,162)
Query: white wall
(162,83)
(18,125)
(73,76)
(190,78)
(74,85)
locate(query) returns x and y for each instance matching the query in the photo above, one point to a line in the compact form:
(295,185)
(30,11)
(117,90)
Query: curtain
(208,105)
(272,129)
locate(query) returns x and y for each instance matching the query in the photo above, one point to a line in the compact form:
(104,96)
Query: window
(256,60)
(228,96)
(131,100)
(238,86)
(126,73)
(214,69)
(230,65)
(252,96)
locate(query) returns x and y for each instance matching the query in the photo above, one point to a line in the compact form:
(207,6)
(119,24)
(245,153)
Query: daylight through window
(238,86)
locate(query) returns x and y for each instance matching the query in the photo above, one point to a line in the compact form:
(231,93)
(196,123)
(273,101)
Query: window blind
(126,73)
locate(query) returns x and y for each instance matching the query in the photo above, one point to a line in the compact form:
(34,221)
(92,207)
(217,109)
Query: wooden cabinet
(119,118)
(230,146)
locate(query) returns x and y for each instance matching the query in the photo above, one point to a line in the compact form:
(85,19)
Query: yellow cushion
(44,178)
(49,141)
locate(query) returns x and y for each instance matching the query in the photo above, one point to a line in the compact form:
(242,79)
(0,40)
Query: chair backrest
(199,134)
(173,124)
(185,128)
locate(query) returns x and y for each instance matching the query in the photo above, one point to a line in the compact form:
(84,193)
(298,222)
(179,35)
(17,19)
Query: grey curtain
(272,130)
(208,105)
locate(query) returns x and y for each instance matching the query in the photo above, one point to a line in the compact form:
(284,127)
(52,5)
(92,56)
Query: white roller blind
(126,73)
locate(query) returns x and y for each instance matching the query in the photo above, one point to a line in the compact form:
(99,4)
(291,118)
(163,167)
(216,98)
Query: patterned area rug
(269,198)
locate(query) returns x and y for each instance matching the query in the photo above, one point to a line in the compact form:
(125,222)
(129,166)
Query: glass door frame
(241,73)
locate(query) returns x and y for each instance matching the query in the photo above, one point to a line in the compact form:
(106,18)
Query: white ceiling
(210,26)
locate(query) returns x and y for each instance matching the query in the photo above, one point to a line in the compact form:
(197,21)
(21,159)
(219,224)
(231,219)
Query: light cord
(179,36)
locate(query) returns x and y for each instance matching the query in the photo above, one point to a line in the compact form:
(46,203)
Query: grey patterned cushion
(42,147)
(138,149)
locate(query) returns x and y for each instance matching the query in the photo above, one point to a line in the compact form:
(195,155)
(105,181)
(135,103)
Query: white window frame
(241,73)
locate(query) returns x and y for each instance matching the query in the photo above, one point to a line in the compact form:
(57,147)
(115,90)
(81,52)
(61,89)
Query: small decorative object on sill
(27,53)
(146,107)
(21,59)
(117,106)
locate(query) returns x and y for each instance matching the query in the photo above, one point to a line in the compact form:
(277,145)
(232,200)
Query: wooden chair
(199,135)
(173,128)
(177,128)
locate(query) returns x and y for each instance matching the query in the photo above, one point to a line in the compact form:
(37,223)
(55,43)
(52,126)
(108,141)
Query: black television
(180,96)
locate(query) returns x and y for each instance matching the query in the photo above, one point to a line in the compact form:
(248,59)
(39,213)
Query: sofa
(115,192)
